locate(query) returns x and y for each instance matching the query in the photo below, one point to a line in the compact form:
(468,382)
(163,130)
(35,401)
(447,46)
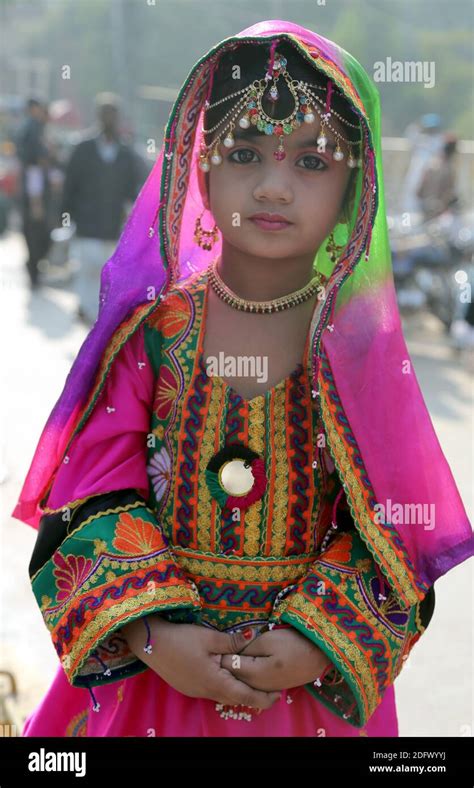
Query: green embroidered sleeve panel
(101,559)
(345,606)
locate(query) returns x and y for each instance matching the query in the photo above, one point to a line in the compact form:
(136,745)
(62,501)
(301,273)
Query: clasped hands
(230,668)
(276,660)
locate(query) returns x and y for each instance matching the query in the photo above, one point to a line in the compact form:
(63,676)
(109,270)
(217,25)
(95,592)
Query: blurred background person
(102,176)
(33,155)
(437,191)
(426,140)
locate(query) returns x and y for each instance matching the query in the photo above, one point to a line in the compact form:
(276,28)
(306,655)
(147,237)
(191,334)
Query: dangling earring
(333,249)
(205,238)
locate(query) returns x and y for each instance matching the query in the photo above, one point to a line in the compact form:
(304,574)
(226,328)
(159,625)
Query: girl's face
(304,192)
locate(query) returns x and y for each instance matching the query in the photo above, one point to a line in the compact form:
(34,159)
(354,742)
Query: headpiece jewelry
(249,101)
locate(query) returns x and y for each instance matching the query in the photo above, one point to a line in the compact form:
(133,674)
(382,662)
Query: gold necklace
(275,305)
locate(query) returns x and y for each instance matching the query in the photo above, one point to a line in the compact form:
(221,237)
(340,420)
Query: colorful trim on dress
(383,539)
(354,617)
(113,568)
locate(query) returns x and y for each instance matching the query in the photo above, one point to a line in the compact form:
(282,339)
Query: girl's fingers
(238,692)
(232,642)
(248,669)
(259,647)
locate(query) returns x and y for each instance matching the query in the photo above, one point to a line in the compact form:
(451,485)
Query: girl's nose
(273,186)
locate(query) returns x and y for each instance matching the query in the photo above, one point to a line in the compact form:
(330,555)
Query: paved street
(40,341)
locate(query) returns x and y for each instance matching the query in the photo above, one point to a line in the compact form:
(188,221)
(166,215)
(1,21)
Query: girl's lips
(267,222)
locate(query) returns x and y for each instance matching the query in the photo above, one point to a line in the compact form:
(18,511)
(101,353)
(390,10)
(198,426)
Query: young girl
(242,504)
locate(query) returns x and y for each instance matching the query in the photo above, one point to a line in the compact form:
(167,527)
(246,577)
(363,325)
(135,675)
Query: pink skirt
(146,706)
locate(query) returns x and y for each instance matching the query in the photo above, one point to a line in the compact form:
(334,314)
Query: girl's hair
(252,63)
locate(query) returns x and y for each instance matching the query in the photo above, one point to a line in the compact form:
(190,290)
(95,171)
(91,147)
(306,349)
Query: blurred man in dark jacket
(102,175)
(33,154)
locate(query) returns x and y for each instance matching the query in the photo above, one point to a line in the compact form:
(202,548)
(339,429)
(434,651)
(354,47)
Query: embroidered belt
(236,589)
(258,570)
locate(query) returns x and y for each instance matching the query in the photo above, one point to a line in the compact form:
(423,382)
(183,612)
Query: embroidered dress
(165,544)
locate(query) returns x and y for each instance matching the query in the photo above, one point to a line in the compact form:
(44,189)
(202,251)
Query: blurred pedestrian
(102,175)
(33,155)
(437,191)
(426,140)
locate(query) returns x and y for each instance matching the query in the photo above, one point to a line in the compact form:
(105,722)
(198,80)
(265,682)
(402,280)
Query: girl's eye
(243,156)
(311,162)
